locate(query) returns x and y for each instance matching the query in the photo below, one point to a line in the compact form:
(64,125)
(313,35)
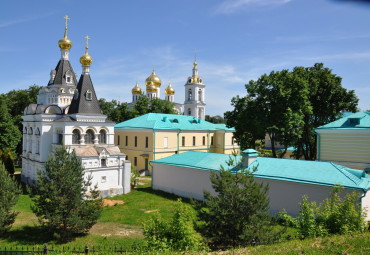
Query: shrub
(175,234)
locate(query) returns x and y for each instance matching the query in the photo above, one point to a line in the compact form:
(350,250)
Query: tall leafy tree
(327,99)
(64,201)
(10,135)
(274,105)
(215,119)
(238,215)
(9,193)
(115,112)
(17,101)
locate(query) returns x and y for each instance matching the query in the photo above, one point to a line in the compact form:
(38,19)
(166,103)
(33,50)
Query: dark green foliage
(8,161)
(238,215)
(288,105)
(16,101)
(10,135)
(327,99)
(215,119)
(9,193)
(335,215)
(162,106)
(114,111)
(63,202)
(175,234)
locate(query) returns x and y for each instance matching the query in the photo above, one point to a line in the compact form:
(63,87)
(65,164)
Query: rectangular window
(103,179)
(135,161)
(146,142)
(126,141)
(165,142)
(204,140)
(126,157)
(183,141)
(232,140)
(193,140)
(218,140)
(135,141)
(212,140)
(118,140)
(103,162)
(60,138)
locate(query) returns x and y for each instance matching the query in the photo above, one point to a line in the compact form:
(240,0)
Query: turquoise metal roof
(170,121)
(351,121)
(301,171)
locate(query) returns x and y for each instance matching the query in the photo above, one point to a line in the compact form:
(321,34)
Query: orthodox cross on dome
(66,18)
(153,68)
(87,41)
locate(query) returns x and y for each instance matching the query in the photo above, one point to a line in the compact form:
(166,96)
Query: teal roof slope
(169,121)
(301,171)
(351,121)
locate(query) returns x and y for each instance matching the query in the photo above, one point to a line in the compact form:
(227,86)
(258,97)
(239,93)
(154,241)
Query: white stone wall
(187,182)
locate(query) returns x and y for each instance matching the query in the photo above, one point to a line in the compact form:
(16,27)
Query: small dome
(136,89)
(151,87)
(169,90)
(153,78)
(65,43)
(86,59)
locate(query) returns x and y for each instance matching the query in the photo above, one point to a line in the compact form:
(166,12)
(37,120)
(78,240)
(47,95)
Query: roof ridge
(349,175)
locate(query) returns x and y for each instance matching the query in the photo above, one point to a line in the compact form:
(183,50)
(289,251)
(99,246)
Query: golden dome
(136,89)
(169,90)
(86,59)
(153,78)
(151,87)
(65,43)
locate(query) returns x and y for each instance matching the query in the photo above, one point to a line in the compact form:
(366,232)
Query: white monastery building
(67,112)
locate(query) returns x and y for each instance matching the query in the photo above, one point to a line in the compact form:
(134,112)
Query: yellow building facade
(154,136)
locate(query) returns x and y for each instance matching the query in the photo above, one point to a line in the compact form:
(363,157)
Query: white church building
(194,104)
(67,112)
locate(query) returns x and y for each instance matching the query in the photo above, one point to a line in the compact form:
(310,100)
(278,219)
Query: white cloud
(22,20)
(232,6)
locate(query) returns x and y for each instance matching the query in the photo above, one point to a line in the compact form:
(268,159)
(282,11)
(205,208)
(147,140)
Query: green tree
(115,112)
(64,201)
(327,99)
(17,101)
(162,106)
(238,215)
(8,160)
(175,234)
(215,119)
(274,105)
(10,135)
(9,193)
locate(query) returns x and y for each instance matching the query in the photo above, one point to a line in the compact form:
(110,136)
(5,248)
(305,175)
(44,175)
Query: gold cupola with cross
(153,78)
(86,59)
(65,43)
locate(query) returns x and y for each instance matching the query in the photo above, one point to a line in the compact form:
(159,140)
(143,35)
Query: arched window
(190,95)
(76,136)
(102,136)
(189,111)
(30,131)
(89,137)
(200,95)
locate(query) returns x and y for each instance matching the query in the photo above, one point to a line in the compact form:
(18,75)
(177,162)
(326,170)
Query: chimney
(249,156)
(164,118)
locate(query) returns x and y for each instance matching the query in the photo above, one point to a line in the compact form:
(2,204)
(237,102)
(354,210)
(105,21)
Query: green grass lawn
(121,226)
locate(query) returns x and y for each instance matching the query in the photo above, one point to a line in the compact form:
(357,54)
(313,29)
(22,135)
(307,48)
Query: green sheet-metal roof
(301,171)
(161,121)
(351,121)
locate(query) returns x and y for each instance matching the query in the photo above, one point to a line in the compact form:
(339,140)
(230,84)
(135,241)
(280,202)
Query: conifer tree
(9,192)
(64,201)
(238,215)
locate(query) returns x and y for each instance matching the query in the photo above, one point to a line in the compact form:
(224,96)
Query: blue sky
(236,41)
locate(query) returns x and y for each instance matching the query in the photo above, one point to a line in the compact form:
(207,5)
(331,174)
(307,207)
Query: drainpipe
(154,145)
(223,145)
(152,174)
(178,141)
(361,200)
(318,144)
(208,143)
